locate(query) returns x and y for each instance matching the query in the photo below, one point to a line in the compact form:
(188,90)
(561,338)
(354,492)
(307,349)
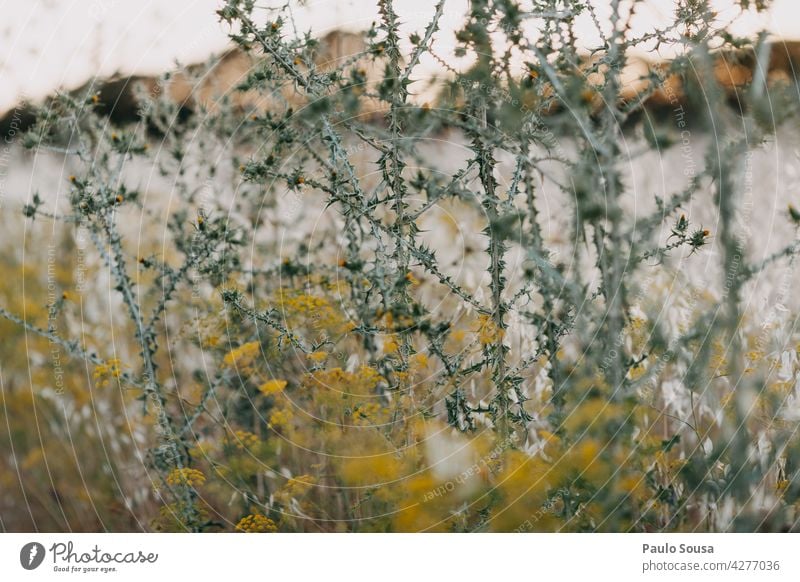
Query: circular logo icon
(31,555)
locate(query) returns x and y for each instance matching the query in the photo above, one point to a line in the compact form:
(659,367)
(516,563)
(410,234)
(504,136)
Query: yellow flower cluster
(256,523)
(186,476)
(391,322)
(390,346)
(312,311)
(366,413)
(280,418)
(374,470)
(362,381)
(243,356)
(487,330)
(243,439)
(272,387)
(104,373)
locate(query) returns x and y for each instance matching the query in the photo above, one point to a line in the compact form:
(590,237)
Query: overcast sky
(50,44)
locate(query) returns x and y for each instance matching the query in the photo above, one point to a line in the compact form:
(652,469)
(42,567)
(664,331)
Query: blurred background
(50,44)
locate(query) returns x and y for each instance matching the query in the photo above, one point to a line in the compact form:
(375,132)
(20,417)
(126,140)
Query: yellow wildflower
(105,372)
(280,418)
(186,476)
(272,387)
(243,439)
(242,356)
(256,523)
(312,310)
(487,330)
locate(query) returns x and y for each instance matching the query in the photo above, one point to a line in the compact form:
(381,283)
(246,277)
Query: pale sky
(51,44)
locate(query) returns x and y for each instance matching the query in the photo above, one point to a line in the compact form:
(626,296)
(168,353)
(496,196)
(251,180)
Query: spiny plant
(346,377)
